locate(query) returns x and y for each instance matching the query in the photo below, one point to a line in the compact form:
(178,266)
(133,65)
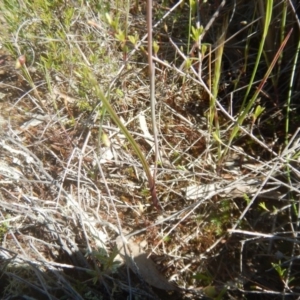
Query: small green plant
(204,278)
(278,268)
(145,193)
(107,261)
(263,206)
(84,106)
(282,272)
(104,263)
(247,199)
(4,227)
(182,168)
(196,33)
(167,239)
(258,111)
(120,28)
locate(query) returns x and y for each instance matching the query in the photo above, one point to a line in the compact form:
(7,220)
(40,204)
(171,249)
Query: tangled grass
(77,220)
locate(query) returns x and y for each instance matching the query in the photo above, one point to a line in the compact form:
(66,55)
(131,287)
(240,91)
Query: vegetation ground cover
(77,218)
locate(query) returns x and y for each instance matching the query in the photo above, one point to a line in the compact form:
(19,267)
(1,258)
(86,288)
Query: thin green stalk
(282,32)
(29,79)
(192,5)
(268,16)
(244,110)
(129,137)
(288,109)
(287,119)
(244,114)
(213,113)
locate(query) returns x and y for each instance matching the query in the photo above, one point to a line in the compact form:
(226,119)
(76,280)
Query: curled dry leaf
(140,264)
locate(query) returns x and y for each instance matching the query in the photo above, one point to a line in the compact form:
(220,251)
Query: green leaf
(132,39)
(196,32)
(258,111)
(108,18)
(281,272)
(155,47)
(193,6)
(121,36)
(263,206)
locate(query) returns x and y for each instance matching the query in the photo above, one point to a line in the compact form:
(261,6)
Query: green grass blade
(269,6)
(129,137)
(244,110)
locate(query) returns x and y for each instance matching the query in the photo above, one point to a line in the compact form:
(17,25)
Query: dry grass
(75,203)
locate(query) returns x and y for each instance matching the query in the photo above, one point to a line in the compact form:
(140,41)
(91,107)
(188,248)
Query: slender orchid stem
(152,95)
